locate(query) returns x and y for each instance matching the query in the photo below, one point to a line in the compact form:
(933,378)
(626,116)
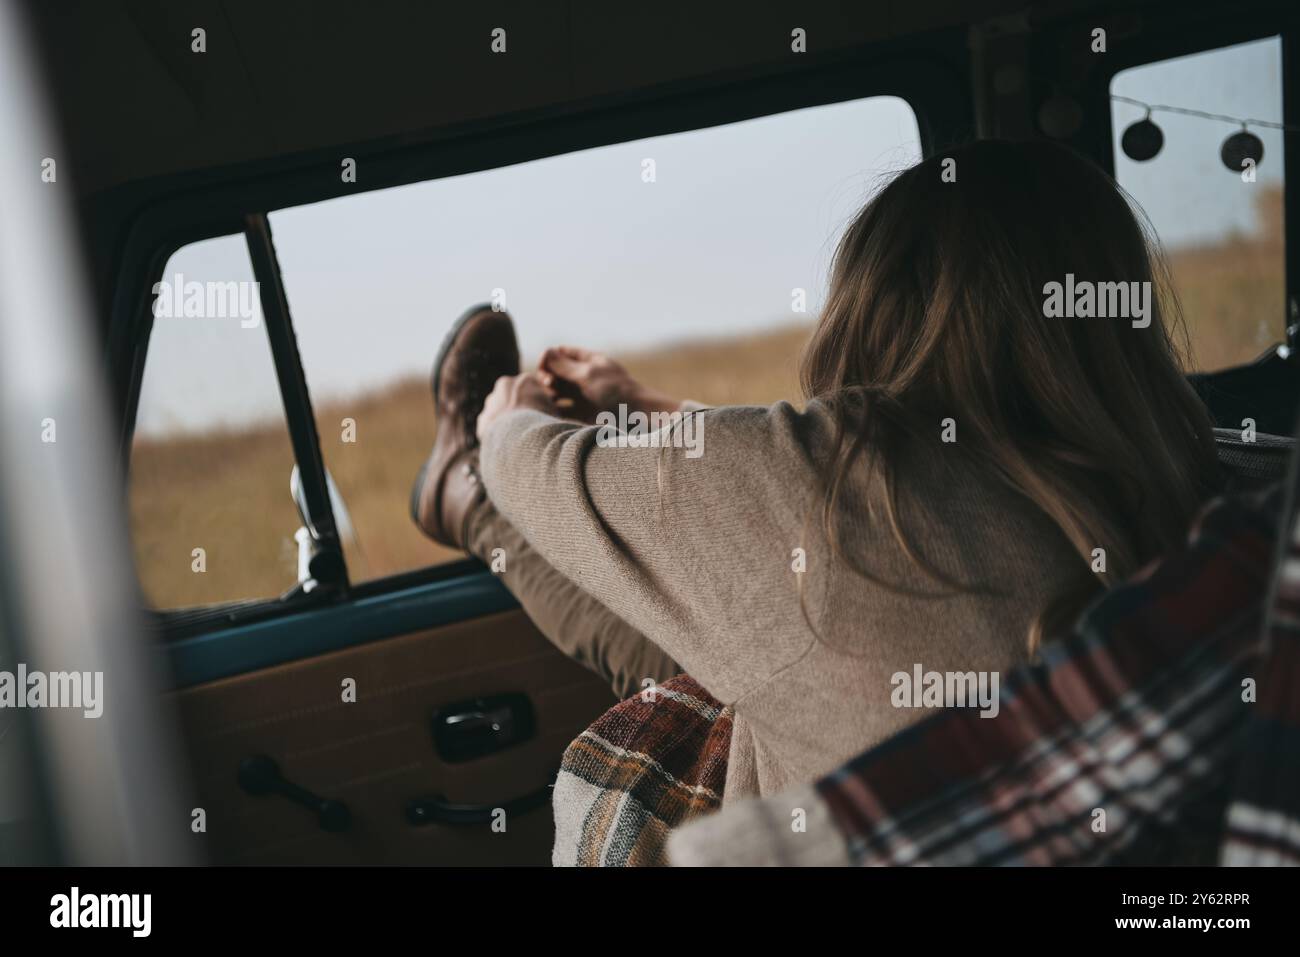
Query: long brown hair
(936,309)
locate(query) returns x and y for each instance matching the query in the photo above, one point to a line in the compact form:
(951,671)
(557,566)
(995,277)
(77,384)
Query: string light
(1142,140)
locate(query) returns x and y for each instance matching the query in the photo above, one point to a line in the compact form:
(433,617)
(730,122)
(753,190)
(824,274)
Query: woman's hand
(584,383)
(523,391)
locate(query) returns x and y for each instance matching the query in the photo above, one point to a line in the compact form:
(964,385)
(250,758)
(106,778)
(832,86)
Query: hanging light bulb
(1239,147)
(1142,140)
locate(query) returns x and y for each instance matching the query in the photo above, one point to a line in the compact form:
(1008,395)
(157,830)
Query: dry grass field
(1233,293)
(227,492)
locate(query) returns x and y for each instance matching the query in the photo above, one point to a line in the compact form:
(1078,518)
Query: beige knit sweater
(699,555)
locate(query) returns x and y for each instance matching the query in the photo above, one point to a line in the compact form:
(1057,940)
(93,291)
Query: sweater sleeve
(689,542)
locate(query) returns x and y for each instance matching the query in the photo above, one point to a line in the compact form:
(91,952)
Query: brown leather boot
(478,350)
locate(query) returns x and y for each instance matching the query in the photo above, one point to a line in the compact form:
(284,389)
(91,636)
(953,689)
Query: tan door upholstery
(378,753)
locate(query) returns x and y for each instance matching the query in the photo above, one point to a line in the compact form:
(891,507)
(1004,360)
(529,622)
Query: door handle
(438,810)
(481,726)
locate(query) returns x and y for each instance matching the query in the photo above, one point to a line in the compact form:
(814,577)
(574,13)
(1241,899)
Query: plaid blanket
(1123,745)
(1263,820)
(650,763)
(1172,701)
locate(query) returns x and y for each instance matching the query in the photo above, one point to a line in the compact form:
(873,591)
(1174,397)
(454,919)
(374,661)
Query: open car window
(698,259)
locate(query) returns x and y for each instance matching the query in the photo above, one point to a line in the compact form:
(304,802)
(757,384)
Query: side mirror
(316,565)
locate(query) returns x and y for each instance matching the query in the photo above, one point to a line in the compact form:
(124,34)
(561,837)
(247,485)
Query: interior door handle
(438,810)
(473,729)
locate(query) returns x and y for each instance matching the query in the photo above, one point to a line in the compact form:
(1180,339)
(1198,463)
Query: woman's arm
(689,541)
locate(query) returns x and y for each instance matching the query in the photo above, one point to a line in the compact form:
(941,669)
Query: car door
(419,719)
(404,744)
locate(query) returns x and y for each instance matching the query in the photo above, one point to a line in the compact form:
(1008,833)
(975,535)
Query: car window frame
(225,211)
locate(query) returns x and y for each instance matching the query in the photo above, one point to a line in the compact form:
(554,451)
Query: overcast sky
(589,253)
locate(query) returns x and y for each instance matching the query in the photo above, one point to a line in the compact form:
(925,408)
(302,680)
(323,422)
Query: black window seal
(298,412)
(1291,182)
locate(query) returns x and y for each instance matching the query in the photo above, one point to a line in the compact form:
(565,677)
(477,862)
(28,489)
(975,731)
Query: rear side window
(1222,228)
(212,519)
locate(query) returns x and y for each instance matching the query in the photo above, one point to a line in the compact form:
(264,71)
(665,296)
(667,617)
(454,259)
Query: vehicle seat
(1253,464)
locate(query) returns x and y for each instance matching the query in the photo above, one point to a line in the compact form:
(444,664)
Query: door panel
(378,754)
